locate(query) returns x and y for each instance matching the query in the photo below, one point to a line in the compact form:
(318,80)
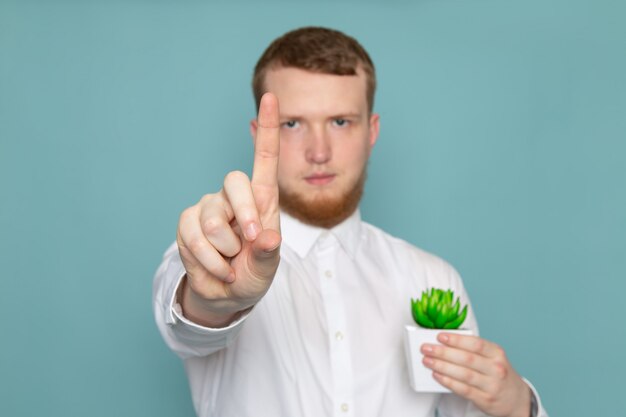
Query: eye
(340,122)
(291,124)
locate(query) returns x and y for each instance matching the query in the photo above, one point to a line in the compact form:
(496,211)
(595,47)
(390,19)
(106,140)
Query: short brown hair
(316,49)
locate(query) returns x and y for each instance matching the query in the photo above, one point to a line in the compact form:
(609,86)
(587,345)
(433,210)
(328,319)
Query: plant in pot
(435,312)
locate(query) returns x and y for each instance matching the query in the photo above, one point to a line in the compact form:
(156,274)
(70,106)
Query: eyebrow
(285,117)
(347,116)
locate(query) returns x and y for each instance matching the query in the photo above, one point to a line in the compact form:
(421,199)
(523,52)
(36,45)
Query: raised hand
(479,371)
(229,241)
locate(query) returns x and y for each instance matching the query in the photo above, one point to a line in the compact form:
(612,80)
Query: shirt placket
(338,340)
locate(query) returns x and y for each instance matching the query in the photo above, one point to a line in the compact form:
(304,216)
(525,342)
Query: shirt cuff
(176,317)
(536,409)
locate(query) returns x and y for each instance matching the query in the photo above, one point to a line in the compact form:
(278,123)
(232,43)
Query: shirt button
(339,336)
(328,274)
(344,407)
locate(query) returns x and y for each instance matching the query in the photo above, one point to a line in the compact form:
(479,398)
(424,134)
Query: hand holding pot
(479,371)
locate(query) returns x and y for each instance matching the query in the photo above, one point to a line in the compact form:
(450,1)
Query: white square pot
(421,378)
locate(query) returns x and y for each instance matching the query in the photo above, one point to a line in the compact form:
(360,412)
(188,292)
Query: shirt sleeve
(186,338)
(537,409)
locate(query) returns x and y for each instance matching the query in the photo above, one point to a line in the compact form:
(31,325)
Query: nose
(318,149)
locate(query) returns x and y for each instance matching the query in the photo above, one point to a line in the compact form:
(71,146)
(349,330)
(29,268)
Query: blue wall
(502,149)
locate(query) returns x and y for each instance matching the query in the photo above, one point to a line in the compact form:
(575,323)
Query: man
(320,332)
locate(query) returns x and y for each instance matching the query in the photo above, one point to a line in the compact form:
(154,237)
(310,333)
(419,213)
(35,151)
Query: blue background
(502,150)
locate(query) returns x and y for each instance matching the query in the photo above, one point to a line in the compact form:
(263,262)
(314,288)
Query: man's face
(326,137)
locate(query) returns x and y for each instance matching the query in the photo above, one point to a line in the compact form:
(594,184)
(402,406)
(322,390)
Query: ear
(253,127)
(374,125)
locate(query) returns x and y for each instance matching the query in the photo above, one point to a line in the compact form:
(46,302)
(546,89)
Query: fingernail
(427,348)
(252,231)
(443,338)
(231,277)
(428,362)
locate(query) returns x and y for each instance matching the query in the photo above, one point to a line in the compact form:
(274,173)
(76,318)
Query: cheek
(356,157)
(287,162)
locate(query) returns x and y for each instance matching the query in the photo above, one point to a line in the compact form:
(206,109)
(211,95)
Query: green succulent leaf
(432,306)
(455,309)
(424,301)
(438,309)
(442,317)
(420,317)
(456,323)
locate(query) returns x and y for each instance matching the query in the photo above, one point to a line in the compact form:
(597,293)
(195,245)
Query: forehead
(302,92)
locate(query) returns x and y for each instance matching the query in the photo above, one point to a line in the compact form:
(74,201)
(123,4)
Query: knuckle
(469,358)
(245,214)
(502,370)
(195,244)
(479,345)
(212,225)
(265,153)
(499,352)
(207,199)
(184,251)
(186,215)
(491,398)
(235,177)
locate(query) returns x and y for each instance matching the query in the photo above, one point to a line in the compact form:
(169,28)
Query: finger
(266,143)
(202,255)
(218,231)
(473,344)
(265,254)
(460,388)
(196,250)
(457,357)
(215,217)
(239,194)
(462,374)
(197,271)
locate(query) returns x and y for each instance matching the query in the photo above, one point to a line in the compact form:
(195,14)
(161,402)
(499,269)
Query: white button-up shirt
(327,338)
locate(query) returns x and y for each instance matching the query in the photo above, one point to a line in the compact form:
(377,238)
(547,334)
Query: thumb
(265,254)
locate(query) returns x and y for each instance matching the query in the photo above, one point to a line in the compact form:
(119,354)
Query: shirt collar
(301,237)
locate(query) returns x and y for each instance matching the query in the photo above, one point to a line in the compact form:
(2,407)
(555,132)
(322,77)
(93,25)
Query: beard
(323,211)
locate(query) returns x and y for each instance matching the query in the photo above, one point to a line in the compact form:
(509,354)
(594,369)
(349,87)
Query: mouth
(320,179)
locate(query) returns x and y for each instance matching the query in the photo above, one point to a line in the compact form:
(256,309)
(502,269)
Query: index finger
(266,142)
(470,343)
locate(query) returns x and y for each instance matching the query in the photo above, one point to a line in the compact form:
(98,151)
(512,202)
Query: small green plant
(435,310)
